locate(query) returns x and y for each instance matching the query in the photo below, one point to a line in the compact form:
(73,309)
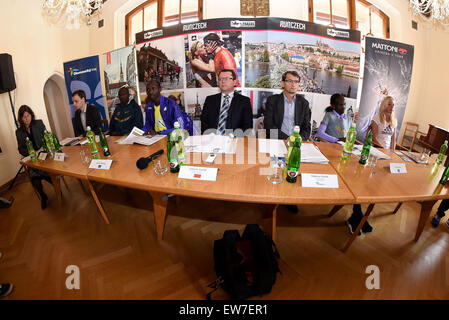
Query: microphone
(142,163)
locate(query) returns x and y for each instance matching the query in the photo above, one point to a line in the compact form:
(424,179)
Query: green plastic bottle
(349,144)
(366,148)
(31,151)
(172,154)
(177,136)
(442,153)
(49,142)
(93,147)
(294,162)
(56,143)
(104,144)
(291,141)
(44,144)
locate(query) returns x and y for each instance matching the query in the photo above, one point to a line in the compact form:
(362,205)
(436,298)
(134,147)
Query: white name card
(26,159)
(43,156)
(398,168)
(198,173)
(312,180)
(59,156)
(100,164)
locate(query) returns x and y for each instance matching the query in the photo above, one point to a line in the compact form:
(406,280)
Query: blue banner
(84,74)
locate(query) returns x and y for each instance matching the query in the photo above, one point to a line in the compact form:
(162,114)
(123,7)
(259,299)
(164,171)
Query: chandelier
(70,12)
(436,11)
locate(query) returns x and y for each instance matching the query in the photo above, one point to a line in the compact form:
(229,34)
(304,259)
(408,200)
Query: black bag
(246,266)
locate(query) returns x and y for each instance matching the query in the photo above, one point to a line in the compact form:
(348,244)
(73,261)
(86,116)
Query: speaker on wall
(7,81)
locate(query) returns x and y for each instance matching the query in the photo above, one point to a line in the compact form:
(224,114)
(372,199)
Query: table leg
(334,210)
(97,201)
(426,208)
(397,207)
(359,227)
(57,187)
(269,220)
(160,212)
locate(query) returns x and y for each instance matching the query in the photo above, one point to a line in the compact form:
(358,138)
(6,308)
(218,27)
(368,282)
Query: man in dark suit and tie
(286,110)
(86,115)
(227,111)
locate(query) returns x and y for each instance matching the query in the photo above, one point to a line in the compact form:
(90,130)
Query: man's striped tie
(223,115)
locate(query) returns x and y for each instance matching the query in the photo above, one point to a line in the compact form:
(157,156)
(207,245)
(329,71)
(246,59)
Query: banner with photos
(187,58)
(120,71)
(84,74)
(387,72)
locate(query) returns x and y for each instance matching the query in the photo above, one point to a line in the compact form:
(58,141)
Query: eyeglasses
(289,81)
(225,79)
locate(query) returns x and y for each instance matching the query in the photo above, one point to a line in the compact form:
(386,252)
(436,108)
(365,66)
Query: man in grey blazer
(286,110)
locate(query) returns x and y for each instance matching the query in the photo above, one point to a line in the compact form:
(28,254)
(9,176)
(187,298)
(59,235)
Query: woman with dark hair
(32,129)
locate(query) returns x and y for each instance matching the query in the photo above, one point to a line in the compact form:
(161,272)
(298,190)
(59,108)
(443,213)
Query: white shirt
(83,117)
(384,132)
(231,95)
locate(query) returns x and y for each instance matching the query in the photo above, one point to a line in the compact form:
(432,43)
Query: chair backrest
(410,130)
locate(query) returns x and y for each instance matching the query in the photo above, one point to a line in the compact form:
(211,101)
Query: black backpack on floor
(246,266)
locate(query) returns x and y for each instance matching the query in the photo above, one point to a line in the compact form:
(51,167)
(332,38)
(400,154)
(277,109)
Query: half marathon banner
(387,72)
(187,58)
(84,74)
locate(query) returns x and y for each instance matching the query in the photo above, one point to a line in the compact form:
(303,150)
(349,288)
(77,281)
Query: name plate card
(100,164)
(398,168)
(59,156)
(312,180)
(43,156)
(198,173)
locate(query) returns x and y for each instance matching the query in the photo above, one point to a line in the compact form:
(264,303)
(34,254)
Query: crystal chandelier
(70,12)
(436,11)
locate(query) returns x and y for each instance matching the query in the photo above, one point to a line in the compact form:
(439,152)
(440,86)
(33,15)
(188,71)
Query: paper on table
(136,136)
(311,180)
(275,147)
(211,143)
(198,173)
(69,141)
(311,153)
(357,150)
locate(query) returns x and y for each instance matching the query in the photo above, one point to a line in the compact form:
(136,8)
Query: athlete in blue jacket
(161,112)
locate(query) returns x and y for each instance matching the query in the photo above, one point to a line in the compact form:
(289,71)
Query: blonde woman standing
(384,125)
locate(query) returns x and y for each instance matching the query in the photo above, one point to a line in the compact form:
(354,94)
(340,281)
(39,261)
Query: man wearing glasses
(286,110)
(227,111)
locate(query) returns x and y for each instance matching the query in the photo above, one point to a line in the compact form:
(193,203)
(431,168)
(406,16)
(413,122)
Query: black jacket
(274,115)
(37,128)
(240,114)
(93,120)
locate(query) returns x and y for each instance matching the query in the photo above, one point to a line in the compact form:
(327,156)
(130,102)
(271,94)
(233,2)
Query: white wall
(38,50)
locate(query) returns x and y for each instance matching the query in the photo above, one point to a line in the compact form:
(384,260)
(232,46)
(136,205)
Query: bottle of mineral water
(93,147)
(49,142)
(366,148)
(31,151)
(442,153)
(178,137)
(291,141)
(294,162)
(349,144)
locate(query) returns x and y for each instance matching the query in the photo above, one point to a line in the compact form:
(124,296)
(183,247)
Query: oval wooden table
(241,178)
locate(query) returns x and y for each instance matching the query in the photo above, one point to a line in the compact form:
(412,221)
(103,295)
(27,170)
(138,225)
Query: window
(352,14)
(157,13)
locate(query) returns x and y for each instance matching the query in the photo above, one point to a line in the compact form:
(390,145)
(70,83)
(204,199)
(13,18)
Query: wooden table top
(240,180)
(377,184)
(71,166)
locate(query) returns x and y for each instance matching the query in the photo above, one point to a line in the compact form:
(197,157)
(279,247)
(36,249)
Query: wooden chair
(411,131)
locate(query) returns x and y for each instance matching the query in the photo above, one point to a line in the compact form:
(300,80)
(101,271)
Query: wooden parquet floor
(124,260)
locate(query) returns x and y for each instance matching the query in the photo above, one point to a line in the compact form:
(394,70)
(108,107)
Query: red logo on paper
(197,175)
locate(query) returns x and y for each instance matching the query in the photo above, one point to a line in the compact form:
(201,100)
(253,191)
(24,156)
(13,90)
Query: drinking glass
(372,161)
(160,166)
(277,170)
(425,155)
(85,156)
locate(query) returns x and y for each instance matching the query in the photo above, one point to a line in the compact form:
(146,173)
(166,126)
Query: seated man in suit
(286,110)
(228,110)
(127,115)
(161,113)
(86,115)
